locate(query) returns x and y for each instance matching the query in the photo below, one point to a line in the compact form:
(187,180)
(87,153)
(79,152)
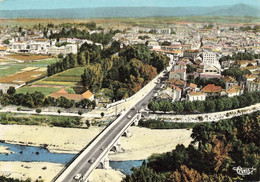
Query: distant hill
(236,10)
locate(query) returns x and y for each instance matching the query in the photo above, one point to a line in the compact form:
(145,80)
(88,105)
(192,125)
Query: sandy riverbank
(4,150)
(47,171)
(63,140)
(33,170)
(141,145)
(145,142)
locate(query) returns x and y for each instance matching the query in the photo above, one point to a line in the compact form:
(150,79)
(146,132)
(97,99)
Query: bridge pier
(127,133)
(104,163)
(117,146)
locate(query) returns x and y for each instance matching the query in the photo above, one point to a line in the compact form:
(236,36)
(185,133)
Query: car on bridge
(78,177)
(91,161)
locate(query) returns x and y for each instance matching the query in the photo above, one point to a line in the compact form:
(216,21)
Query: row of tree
(102,38)
(210,105)
(37,99)
(240,56)
(216,149)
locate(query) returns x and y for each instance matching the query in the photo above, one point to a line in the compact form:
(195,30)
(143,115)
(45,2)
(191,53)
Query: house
(196,96)
(166,94)
(77,97)
(235,90)
(176,93)
(179,83)
(229,81)
(178,74)
(212,90)
(191,87)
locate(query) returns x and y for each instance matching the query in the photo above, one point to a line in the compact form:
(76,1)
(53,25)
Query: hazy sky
(54,4)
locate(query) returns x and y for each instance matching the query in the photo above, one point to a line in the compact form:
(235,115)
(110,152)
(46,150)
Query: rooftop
(211,88)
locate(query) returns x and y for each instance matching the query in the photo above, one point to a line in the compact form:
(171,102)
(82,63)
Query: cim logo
(244,171)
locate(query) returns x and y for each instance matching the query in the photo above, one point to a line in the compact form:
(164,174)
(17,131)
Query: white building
(196,96)
(70,48)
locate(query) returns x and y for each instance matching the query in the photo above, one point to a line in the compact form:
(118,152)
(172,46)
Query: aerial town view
(129,91)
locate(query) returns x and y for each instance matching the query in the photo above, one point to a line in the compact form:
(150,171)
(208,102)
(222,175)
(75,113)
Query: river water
(22,153)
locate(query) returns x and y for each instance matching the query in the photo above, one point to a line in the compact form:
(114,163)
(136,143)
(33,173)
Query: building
(254,86)
(212,90)
(163,31)
(235,90)
(70,48)
(210,58)
(191,54)
(77,97)
(178,74)
(229,81)
(196,96)
(176,93)
(166,94)
(19,46)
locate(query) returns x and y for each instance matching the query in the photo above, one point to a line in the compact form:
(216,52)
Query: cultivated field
(24,76)
(10,68)
(44,90)
(71,77)
(27,57)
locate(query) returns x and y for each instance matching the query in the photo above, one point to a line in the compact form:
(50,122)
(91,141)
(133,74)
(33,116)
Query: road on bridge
(85,164)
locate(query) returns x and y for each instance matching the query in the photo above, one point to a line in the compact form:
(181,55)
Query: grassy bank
(161,124)
(22,119)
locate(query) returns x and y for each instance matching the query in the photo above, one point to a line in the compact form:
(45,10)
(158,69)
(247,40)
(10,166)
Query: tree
(59,111)
(80,113)
(165,106)
(219,105)
(60,56)
(154,106)
(11,91)
(185,175)
(6,41)
(38,111)
(102,114)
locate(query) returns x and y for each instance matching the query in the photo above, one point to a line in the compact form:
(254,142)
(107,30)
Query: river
(22,153)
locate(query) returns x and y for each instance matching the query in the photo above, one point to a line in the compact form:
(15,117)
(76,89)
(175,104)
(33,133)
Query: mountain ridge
(109,12)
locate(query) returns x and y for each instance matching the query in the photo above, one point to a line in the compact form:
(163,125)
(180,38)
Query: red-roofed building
(77,97)
(212,90)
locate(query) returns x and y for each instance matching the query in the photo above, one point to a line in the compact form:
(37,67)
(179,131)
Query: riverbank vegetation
(217,148)
(4,179)
(209,105)
(161,124)
(22,119)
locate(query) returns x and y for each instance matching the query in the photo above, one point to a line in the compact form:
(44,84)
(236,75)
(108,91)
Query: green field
(44,90)
(69,77)
(11,68)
